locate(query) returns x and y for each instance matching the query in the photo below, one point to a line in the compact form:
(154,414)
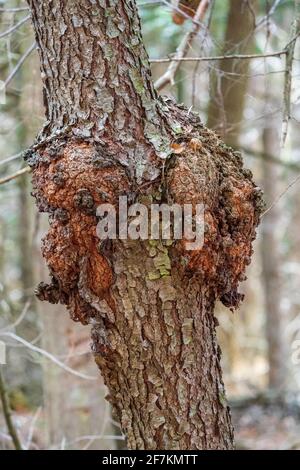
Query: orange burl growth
(72,179)
(206,173)
(70,185)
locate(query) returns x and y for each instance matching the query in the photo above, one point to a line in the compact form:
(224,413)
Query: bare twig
(13,157)
(197,65)
(6,179)
(92,437)
(177,9)
(104,423)
(19,64)
(183,48)
(13,10)
(271,11)
(150,4)
(32,426)
(217,58)
(16,26)
(7,414)
(293,166)
(290,49)
(281,195)
(19,319)
(5,436)
(47,355)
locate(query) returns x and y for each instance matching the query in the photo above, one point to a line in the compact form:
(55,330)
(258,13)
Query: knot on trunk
(70,186)
(201,170)
(208,172)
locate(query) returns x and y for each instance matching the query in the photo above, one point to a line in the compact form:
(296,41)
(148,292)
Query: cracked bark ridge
(150,303)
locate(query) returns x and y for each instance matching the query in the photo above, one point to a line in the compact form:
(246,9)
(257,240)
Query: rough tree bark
(151,305)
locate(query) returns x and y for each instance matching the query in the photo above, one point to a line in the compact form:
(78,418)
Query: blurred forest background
(52,386)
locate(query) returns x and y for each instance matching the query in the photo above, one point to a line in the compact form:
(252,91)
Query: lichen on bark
(151,305)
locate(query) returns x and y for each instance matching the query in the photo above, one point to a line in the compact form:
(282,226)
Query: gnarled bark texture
(150,304)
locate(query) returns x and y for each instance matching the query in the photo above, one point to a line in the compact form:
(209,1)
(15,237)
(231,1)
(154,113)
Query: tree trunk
(271,263)
(229,84)
(73,407)
(150,303)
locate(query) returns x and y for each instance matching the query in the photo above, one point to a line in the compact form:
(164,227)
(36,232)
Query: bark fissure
(150,303)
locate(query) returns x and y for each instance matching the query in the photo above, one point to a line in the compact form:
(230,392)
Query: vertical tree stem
(7,414)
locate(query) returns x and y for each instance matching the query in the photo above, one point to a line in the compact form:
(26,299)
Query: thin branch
(150,4)
(293,166)
(19,319)
(217,58)
(197,65)
(294,38)
(183,48)
(281,195)
(6,179)
(13,157)
(32,426)
(13,10)
(290,50)
(100,437)
(176,8)
(19,64)
(7,414)
(47,355)
(93,437)
(64,131)
(6,437)
(271,11)
(16,26)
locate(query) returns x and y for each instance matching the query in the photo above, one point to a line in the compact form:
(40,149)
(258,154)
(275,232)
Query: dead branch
(216,58)
(6,179)
(181,12)
(7,414)
(19,64)
(187,6)
(15,27)
(12,158)
(293,166)
(183,48)
(281,195)
(290,50)
(271,11)
(13,10)
(48,355)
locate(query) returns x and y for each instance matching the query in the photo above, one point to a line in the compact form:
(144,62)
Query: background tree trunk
(150,304)
(270,246)
(229,83)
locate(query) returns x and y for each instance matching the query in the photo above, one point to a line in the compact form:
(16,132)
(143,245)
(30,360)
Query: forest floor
(259,425)
(266,426)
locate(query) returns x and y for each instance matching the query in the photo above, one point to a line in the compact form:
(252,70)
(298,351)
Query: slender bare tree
(271,262)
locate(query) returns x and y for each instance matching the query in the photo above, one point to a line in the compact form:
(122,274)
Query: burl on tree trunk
(150,304)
